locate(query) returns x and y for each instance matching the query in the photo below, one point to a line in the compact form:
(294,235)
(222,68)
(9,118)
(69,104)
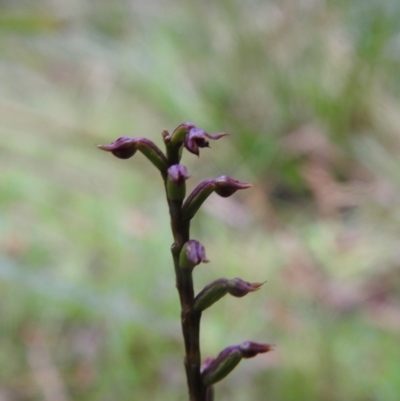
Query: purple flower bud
(178,174)
(123,148)
(226,186)
(249,349)
(195,252)
(214,370)
(192,254)
(239,288)
(197,138)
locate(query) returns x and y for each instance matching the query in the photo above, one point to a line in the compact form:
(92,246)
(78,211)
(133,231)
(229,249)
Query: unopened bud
(125,147)
(176,188)
(192,254)
(226,186)
(221,366)
(218,368)
(239,288)
(223,186)
(249,349)
(210,294)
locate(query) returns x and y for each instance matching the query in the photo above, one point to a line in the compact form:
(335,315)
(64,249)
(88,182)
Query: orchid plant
(188,253)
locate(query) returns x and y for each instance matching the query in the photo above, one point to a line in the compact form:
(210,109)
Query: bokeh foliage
(309,92)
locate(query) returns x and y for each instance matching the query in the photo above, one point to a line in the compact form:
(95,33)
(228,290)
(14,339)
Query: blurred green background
(309,91)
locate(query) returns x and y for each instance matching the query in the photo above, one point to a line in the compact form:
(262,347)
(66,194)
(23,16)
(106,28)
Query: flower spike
(188,253)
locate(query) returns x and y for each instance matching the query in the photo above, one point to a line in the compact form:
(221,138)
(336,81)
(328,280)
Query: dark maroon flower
(123,148)
(197,138)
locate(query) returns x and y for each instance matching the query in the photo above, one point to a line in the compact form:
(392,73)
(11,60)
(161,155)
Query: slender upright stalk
(187,253)
(190,319)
